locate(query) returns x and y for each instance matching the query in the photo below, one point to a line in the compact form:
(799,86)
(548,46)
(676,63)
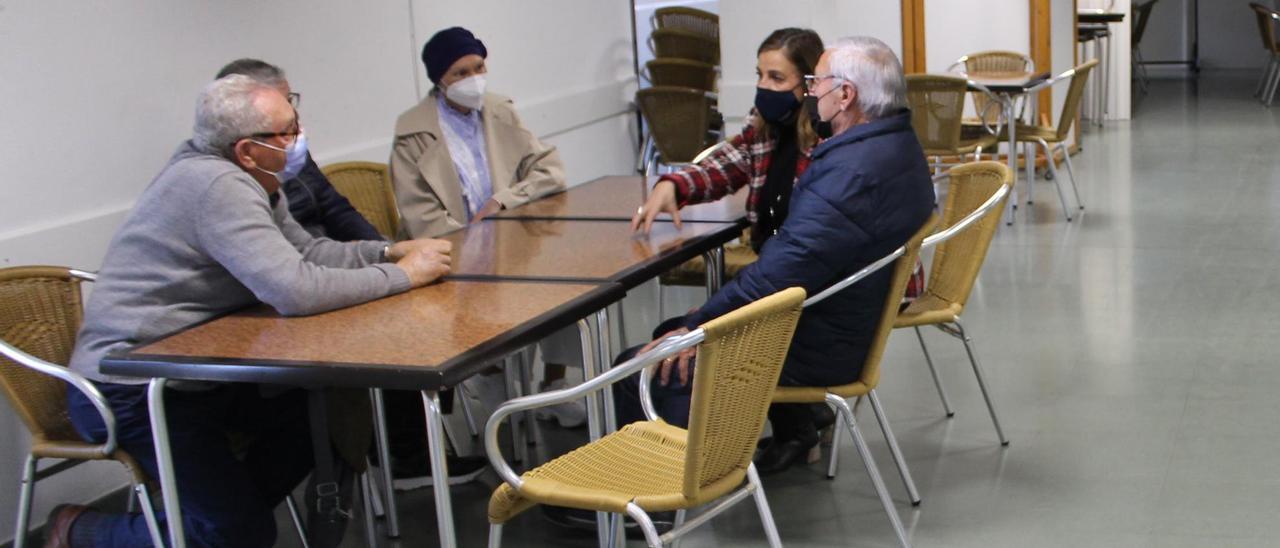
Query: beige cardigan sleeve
(539,173)
(423,213)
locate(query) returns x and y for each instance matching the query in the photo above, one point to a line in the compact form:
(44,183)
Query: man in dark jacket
(313,201)
(866,192)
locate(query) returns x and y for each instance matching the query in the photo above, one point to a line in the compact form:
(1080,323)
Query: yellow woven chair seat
(967,145)
(641,463)
(814,394)
(928,309)
(694,271)
(1031,133)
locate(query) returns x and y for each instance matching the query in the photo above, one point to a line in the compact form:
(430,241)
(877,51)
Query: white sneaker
(569,414)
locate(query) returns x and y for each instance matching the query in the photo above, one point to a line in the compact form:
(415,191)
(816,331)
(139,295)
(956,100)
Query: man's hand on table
(661,200)
(425,260)
(399,250)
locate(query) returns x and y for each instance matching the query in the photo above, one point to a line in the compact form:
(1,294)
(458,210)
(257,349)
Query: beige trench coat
(427,186)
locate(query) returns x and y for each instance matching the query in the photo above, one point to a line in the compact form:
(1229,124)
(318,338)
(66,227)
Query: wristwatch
(386,250)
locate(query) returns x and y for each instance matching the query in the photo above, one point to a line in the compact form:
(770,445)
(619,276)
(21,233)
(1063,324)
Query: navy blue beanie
(446,47)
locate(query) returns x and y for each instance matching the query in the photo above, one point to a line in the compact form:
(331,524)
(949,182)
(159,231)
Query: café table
(427,339)
(1007,88)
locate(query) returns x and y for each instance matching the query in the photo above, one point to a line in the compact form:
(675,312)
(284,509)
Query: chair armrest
(665,349)
(74,379)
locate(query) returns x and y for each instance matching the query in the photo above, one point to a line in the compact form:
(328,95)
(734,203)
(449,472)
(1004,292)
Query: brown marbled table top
(616,198)
(597,250)
(429,336)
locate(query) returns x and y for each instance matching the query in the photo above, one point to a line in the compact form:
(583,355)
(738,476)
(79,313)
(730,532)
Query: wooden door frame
(913,59)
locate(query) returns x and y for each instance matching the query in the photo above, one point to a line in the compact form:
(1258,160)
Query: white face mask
(468,92)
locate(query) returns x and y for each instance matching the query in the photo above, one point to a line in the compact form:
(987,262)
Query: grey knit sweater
(205,239)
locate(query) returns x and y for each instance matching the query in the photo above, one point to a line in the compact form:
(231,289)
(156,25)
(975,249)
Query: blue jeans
(227,493)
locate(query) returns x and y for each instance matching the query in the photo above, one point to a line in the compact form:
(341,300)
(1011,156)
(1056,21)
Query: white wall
(745,23)
(96,95)
(955,28)
(1228,35)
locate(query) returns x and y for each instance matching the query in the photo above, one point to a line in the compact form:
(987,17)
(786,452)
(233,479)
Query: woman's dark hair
(802,47)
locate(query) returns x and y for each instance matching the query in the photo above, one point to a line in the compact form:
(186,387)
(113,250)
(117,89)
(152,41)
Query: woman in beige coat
(462,154)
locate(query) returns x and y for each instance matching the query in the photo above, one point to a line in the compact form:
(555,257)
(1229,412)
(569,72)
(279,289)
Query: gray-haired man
(212,234)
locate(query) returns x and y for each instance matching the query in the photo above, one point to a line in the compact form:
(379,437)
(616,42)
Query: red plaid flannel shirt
(745,162)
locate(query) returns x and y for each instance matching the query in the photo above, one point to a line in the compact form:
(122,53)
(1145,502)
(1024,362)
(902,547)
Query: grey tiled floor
(1131,353)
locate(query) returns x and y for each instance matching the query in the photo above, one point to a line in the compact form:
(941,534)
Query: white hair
(225,113)
(874,70)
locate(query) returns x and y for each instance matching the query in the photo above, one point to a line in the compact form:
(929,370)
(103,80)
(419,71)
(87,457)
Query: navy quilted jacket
(865,193)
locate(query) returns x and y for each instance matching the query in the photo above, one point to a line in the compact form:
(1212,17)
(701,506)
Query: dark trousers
(789,420)
(227,494)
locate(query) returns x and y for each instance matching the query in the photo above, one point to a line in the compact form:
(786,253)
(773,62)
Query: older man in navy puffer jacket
(866,192)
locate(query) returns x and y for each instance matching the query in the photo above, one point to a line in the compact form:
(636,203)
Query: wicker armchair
(681,73)
(956,264)
(993,63)
(1267,19)
(652,466)
(368,186)
(694,20)
(937,108)
(678,119)
(683,44)
(42,313)
(1058,136)
(904,262)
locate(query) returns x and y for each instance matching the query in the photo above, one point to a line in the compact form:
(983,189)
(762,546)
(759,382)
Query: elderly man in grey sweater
(212,234)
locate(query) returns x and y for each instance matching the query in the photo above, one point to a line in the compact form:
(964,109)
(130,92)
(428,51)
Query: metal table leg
(164,462)
(384,459)
(605,359)
(439,468)
(1011,124)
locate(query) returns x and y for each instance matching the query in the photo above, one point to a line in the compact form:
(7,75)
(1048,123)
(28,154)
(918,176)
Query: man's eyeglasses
(811,80)
(295,99)
(289,135)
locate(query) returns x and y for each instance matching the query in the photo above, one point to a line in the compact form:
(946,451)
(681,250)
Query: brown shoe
(57,530)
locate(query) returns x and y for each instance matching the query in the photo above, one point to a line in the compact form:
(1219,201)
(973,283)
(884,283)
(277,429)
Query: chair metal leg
(982,383)
(1271,91)
(833,461)
(1066,160)
(495,535)
(933,371)
(383,447)
(149,514)
(296,517)
(681,514)
(366,496)
(461,392)
(762,505)
(1057,182)
(1266,74)
(646,525)
(870,463)
(24,501)
(903,470)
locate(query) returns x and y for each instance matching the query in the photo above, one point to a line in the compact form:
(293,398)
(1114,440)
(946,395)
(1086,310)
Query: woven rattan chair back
(41,313)
(994,63)
(957,261)
(368,186)
(1266,26)
(694,20)
(1075,91)
(678,119)
(937,110)
(902,270)
(681,73)
(683,44)
(738,368)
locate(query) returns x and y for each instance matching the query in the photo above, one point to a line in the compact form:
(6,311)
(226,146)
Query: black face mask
(777,107)
(820,127)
